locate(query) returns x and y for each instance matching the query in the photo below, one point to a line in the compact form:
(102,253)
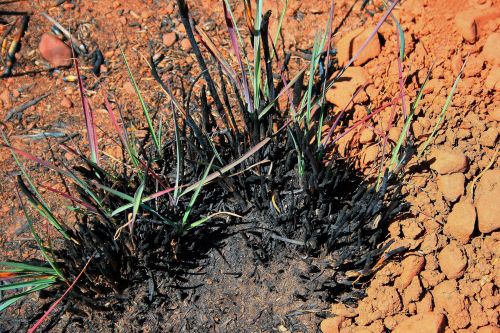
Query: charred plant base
(281,264)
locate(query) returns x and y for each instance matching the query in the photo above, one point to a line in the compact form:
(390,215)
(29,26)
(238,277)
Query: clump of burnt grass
(251,152)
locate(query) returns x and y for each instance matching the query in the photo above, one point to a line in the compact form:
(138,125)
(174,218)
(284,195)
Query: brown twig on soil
(24,106)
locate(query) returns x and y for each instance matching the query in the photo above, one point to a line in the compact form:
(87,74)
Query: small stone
(492,81)
(169,39)
(66,103)
(489,329)
(494,113)
(343,90)
(466,26)
(366,136)
(185,45)
(411,266)
(474,65)
(430,322)
(129,88)
(451,186)
(461,221)
(446,161)
(369,155)
(394,134)
(491,48)
(341,310)
(452,261)
(351,43)
(489,137)
(487,201)
(54,50)
(331,325)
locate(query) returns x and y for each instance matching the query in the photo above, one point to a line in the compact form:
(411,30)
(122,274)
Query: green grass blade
(11,300)
(143,104)
(196,193)
(25,284)
(19,267)
(443,111)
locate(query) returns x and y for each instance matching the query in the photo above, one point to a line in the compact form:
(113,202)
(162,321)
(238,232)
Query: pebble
(431,322)
(370,154)
(129,88)
(341,310)
(366,136)
(331,325)
(466,26)
(446,160)
(489,137)
(492,81)
(169,39)
(394,134)
(66,103)
(491,48)
(452,261)
(185,45)
(341,92)
(351,43)
(489,329)
(411,266)
(461,221)
(487,201)
(494,113)
(54,50)
(451,186)
(474,66)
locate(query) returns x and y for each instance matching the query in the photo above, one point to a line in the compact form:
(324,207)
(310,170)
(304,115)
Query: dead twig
(24,106)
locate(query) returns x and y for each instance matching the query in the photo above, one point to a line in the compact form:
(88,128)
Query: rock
(394,134)
(169,39)
(430,322)
(341,310)
(54,50)
(185,45)
(466,26)
(494,113)
(351,43)
(369,155)
(388,301)
(411,266)
(461,221)
(66,103)
(491,48)
(331,325)
(447,299)
(452,261)
(489,329)
(492,81)
(6,98)
(489,137)
(448,161)
(343,90)
(451,186)
(129,88)
(366,136)
(413,292)
(474,65)
(487,201)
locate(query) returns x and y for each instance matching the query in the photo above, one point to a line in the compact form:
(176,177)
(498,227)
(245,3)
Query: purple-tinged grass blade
(89,118)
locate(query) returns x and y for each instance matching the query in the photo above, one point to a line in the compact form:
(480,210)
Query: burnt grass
(307,235)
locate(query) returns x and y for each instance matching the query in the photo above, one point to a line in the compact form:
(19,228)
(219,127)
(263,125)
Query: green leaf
(143,104)
(11,300)
(196,193)
(23,267)
(24,284)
